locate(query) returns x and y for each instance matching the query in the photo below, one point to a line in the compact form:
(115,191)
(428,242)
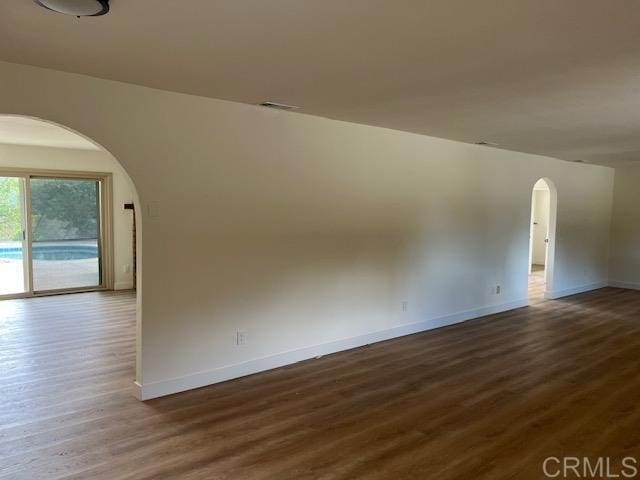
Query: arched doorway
(56,244)
(542,239)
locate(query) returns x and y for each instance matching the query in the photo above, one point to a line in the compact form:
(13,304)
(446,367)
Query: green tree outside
(10,211)
(64,209)
(60,209)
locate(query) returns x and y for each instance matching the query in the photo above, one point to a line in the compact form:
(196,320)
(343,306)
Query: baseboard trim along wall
(574,291)
(201,379)
(627,285)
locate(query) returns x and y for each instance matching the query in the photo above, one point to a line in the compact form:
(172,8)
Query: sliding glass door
(13,247)
(65,233)
(52,234)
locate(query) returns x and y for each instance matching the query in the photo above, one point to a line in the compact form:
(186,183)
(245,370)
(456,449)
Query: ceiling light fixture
(77,8)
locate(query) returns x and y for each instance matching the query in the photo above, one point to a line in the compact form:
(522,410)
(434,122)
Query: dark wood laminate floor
(487,399)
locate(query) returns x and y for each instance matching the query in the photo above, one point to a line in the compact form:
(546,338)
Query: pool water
(52,252)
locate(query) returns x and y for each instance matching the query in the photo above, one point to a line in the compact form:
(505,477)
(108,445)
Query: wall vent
(278,106)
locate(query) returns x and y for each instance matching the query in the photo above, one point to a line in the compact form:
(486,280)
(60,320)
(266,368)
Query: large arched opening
(69,227)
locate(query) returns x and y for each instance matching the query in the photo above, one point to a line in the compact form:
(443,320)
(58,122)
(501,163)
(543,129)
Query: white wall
(540,205)
(308,233)
(625,228)
(21,156)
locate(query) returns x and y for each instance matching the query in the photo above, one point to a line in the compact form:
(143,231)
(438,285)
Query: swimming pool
(51,252)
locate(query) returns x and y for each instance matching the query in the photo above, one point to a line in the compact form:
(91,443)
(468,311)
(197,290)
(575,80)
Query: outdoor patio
(48,274)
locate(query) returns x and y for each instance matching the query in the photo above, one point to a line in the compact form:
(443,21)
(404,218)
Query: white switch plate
(241,337)
(153,209)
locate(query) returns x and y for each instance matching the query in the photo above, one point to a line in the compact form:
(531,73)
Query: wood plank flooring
(536,284)
(487,399)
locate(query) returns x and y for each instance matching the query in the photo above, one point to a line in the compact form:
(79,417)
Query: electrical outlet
(241,337)
(405,306)
(498,289)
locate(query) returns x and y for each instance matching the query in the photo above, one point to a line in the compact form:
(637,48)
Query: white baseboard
(137,391)
(123,285)
(627,285)
(574,291)
(147,391)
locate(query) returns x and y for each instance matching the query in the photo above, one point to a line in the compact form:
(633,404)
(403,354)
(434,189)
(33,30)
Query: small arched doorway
(542,239)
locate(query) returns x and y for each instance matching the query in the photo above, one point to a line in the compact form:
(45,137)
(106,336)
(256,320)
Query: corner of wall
(627,285)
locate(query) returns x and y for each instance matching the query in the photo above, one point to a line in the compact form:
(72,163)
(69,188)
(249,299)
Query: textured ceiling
(560,78)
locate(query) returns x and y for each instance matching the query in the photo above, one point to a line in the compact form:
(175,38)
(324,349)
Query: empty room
(285,239)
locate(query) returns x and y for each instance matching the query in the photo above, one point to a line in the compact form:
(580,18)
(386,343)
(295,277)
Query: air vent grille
(278,106)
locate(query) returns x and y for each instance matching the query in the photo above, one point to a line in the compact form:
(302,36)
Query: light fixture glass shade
(78,8)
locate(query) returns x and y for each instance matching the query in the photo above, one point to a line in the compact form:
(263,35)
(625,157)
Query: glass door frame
(105,240)
(22,186)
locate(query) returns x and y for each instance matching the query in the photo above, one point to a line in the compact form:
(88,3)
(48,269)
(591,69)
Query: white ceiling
(560,78)
(27,131)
